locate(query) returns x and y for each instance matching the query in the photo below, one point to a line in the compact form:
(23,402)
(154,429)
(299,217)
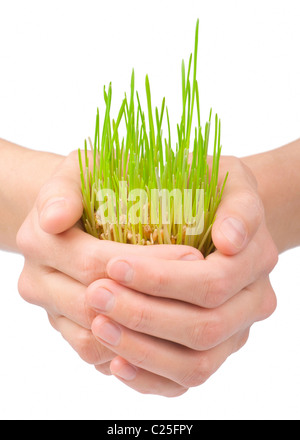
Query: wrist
(22,173)
(40,166)
(276,172)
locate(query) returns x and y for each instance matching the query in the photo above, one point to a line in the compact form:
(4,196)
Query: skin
(17,195)
(277,174)
(123,322)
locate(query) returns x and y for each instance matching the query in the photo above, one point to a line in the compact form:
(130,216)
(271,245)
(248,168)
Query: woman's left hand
(172,323)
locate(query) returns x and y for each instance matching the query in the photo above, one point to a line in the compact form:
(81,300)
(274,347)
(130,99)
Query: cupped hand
(61,260)
(173,323)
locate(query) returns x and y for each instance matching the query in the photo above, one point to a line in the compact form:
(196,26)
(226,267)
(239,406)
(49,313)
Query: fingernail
(52,205)
(109,333)
(189,257)
(102,300)
(126,372)
(120,271)
(234,231)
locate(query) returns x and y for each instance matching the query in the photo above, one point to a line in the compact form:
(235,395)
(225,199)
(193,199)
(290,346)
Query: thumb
(240,212)
(59,203)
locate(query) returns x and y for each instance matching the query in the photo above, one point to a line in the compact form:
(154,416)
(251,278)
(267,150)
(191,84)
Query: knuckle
(253,203)
(269,303)
(201,292)
(140,319)
(212,331)
(85,346)
(221,288)
(199,373)
(269,252)
(208,334)
(251,178)
(196,336)
(26,288)
(242,340)
(237,164)
(258,208)
(92,267)
(159,281)
(217,289)
(20,240)
(198,292)
(25,240)
(142,358)
(53,321)
(272,257)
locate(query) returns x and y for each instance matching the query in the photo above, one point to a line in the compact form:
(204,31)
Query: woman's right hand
(61,261)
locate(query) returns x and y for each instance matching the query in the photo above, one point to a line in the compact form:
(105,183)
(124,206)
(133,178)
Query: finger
(178,363)
(89,255)
(82,341)
(61,295)
(240,212)
(143,381)
(59,203)
(196,328)
(207,283)
(57,293)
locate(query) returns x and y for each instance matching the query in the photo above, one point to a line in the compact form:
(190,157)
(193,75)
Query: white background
(55,57)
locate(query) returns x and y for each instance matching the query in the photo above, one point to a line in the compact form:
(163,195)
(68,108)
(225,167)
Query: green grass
(143,159)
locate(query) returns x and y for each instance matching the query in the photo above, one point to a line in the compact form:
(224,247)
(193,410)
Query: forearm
(278,176)
(22,173)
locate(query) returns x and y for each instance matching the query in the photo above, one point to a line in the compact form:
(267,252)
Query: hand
(173,323)
(61,261)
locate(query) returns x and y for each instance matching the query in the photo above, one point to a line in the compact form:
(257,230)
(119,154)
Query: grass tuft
(136,189)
